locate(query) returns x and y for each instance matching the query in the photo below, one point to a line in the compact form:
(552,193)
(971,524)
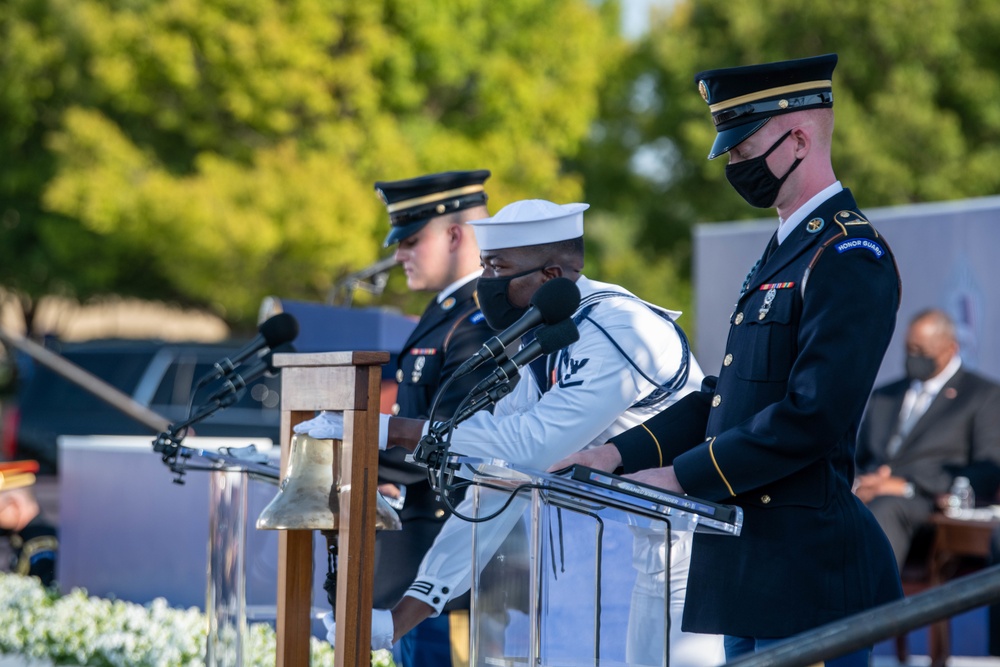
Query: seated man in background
(920,432)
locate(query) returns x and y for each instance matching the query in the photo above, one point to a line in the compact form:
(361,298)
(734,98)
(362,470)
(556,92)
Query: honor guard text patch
(855,244)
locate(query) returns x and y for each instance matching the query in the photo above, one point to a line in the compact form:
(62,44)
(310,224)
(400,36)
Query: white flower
(81,630)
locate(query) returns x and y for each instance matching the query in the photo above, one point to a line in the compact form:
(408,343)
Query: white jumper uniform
(592,399)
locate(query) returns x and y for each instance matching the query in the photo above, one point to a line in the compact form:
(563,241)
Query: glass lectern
(573,568)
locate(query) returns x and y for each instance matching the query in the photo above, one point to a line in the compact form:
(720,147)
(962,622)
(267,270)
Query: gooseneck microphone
(275,331)
(236,382)
(555,301)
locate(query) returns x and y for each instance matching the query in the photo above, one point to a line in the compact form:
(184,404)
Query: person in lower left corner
(32,538)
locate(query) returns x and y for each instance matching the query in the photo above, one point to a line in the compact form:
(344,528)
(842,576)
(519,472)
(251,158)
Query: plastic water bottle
(961,497)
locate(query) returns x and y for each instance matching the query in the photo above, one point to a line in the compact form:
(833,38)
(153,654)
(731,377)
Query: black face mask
(494,300)
(753,178)
(919,367)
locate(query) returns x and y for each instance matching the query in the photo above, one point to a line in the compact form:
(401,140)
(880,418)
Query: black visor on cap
(727,140)
(397,234)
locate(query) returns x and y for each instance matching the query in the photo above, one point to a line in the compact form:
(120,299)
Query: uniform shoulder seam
(454,327)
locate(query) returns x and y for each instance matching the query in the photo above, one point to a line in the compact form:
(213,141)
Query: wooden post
(348,382)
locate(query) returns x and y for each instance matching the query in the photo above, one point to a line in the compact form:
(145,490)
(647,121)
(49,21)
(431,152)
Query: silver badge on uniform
(418,369)
(768,298)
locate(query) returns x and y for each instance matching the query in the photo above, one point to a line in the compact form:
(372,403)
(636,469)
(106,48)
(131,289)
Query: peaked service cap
(413,202)
(742,99)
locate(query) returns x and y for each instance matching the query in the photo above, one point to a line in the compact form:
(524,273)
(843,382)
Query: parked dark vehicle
(156,374)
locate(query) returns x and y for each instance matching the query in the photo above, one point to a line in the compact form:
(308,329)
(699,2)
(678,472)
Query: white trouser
(644,646)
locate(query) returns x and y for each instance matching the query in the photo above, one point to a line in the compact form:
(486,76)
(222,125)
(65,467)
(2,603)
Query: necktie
(772,245)
(909,415)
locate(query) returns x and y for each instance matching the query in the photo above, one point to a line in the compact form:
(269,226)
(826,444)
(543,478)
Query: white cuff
(432,592)
(382,629)
(331,628)
(383,431)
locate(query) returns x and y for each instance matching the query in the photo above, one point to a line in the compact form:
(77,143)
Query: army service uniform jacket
(774,433)
(447,334)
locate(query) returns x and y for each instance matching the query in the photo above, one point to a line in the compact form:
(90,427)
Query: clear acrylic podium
(576,569)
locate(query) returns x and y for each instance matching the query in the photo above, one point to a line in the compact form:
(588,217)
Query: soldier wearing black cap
(438,252)
(775,431)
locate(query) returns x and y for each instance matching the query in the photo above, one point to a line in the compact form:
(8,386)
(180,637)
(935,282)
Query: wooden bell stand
(347,381)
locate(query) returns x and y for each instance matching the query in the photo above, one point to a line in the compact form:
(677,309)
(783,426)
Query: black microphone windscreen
(282,328)
(557,336)
(556,300)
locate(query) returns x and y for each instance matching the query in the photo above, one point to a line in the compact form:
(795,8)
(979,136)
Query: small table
(954,539)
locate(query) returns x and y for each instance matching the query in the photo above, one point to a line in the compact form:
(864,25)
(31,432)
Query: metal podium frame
(348,382)
(585,492)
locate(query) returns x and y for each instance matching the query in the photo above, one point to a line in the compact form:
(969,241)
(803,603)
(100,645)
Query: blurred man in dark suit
(922,431)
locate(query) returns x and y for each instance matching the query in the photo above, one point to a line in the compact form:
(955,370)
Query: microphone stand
(177,457)
(225,595)
(432,449)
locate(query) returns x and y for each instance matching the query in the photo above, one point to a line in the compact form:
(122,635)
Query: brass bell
(308,497)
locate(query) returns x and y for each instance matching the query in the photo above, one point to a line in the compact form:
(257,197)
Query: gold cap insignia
(782,104)
(703,89)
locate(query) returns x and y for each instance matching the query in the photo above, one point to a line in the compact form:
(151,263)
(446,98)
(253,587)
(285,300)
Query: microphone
(237,382)
(275,331)
(548,339)
(556,300)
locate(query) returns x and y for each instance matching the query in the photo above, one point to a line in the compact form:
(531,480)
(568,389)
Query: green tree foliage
(916,90)
(216,151)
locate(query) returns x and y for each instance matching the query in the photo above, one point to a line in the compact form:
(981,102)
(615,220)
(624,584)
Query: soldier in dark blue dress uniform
(438,252)
(774,432)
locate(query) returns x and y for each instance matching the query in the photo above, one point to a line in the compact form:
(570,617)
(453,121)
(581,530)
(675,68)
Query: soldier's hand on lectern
(382,629)
(329,425)
(605,457)
(664,478)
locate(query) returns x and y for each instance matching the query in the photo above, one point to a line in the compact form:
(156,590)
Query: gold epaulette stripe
(770,92)
(718,469)
(852,218)
(656,442)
